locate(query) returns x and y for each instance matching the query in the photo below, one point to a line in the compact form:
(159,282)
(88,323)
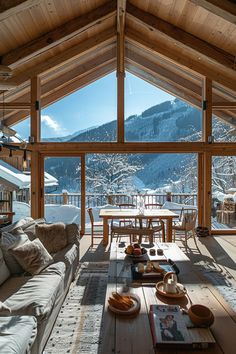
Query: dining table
(137,214)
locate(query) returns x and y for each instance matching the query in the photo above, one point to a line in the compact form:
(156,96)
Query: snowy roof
(13,176)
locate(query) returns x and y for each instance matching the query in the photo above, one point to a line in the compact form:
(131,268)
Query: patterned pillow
(32,256)
(52,236)
(11,240)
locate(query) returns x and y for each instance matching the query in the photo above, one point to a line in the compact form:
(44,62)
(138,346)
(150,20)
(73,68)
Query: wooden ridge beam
(221,8)
(184,58)
(59,35)
(94,43)
(181,38)
(13,7)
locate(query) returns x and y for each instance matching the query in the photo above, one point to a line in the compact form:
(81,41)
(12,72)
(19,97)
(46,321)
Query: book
(171,327)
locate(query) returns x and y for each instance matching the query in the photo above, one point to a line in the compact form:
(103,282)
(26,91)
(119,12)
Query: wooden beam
(222,8)
(207,110)
(92,44)
(59,35)
(207,138)
(200,194)
(183,58)
(35,117)
(181,38)
(15,105)
(13,7)
(121,9)
(36,185)
(83,194)
(224,105)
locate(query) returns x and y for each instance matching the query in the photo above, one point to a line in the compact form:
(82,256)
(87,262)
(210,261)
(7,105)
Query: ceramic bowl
(201,315)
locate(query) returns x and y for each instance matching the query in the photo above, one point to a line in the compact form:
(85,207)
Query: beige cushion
(32,256)
(52,236)
(10,240)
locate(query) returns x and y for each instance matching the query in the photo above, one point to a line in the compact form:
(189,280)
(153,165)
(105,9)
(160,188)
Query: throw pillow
(72,231)
(11,240)
(4,271)
(29,228)
(52,236)
(4,309)
(32,256)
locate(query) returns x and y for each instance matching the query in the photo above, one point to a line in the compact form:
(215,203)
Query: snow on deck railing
(96,199)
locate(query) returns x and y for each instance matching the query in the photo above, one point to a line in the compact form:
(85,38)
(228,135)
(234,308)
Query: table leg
(105,231)
(169,230)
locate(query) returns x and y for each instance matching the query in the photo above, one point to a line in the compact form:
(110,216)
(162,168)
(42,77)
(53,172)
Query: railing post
(168,196)
(109,199)
(65,197)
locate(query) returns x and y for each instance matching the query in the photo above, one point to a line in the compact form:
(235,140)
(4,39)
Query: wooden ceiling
(172,44)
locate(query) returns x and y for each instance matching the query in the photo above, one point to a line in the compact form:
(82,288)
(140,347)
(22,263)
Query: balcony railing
(96,200)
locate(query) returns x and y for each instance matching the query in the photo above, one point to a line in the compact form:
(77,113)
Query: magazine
(170,327)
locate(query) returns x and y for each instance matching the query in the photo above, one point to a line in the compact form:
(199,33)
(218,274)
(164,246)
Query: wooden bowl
(201,315)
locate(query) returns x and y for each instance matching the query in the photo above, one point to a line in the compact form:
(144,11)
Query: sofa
(38,262)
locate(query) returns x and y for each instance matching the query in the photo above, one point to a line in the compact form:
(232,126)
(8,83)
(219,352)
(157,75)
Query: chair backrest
(153,205)
(90,212)
(126,205)
(189,218)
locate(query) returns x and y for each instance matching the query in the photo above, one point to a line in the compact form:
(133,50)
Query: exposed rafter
(12,7)
(59,35)
(226,77)
(222,8)
(181,38)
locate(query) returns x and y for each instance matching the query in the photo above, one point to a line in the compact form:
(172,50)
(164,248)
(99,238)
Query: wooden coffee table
(132,335)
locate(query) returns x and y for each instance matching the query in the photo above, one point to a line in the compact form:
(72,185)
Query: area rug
(78,326)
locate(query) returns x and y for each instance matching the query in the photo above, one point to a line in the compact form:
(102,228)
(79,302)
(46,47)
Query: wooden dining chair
(186,225)
(156,224)
(96,227)
(126,222)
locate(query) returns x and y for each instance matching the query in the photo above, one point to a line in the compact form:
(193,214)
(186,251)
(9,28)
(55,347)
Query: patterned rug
(77,328)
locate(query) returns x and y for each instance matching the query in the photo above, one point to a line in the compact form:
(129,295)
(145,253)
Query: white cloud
(50,122)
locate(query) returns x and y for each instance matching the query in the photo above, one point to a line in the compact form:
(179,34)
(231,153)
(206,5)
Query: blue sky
(94,105)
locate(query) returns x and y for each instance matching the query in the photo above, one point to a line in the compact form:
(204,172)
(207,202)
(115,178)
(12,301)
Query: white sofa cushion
(17,334)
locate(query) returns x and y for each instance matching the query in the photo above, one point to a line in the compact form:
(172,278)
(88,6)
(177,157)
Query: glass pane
(223,130)
(62,189)
(153,115)
(120,178)
(88,114)
(23,129)
(223,192)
